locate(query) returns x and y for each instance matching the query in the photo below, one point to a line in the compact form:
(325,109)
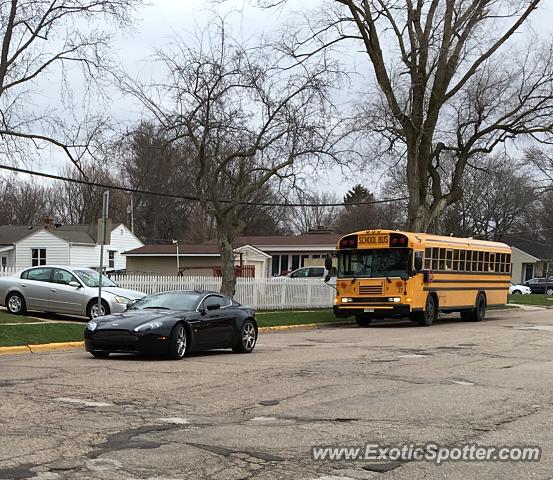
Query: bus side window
(462,256)
(480,261)
(492,262)
(456,260)
(442,259)
(502,263)
(468,267)
(435,256)
(474,261)
(427,258)
(508,262)
(449,260)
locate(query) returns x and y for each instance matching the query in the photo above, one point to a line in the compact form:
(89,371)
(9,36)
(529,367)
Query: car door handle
(53,290)
(23,285)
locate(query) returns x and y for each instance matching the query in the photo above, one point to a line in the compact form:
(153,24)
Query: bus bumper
(374,311)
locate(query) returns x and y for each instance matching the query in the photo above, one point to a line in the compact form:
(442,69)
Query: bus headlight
(347,300)
(394,299)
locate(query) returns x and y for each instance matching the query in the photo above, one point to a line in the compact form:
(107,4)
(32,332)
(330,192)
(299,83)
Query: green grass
(11,335)
(272,319)
(532,299)
(6,317)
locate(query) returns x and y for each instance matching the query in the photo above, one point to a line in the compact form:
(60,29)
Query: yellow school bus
(385,273)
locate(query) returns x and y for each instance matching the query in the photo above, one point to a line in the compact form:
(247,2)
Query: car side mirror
(328,263)
(74,284)
(213,306)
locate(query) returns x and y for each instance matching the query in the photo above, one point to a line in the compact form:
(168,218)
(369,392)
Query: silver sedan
(62,289)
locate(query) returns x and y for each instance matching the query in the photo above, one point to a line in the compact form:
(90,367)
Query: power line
(189,197)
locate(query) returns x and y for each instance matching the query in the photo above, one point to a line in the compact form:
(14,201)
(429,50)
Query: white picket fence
(261,294)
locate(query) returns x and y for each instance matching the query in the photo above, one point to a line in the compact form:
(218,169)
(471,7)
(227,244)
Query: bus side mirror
(328,263)
(327,278)
(418,261)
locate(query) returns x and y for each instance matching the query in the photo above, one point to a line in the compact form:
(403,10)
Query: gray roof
(10,234)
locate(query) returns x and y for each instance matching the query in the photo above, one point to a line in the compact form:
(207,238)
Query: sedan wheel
(177,342)
(16,304)
(549,291)
(92,311)
(516,292)
(248,338)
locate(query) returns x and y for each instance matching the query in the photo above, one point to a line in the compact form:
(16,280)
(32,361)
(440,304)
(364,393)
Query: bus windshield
(389,262)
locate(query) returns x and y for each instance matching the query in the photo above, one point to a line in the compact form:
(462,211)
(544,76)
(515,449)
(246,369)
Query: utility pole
(102,225)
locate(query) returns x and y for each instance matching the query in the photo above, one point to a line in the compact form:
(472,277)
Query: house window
(4,263)
(275,269)
(111,258)
(38,256)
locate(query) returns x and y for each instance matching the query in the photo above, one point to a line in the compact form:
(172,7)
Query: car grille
(114,337)
(370,289)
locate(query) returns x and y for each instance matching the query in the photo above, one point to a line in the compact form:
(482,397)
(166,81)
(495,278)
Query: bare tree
(23,202)
(309,217)
(43,39)
(247,119)
(448,80)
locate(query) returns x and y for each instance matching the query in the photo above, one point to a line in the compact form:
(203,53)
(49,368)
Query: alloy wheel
(181,342)
(14,304)
(94,311)
(248,336)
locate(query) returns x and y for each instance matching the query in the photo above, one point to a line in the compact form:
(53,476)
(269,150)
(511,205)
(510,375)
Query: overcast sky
(160,20)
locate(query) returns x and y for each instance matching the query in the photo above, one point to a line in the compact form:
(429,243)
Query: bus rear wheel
(478,313)
(363,320)
(429,315)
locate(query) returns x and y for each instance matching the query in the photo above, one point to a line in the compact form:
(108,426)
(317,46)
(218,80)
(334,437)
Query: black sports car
(174,323)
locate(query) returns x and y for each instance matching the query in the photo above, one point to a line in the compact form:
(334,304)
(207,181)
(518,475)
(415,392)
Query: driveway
(66,415)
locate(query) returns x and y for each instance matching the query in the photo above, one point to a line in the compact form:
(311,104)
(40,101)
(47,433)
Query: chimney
(49,222)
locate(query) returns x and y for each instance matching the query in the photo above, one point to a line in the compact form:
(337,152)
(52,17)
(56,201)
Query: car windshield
(389,262)
(92,279)
(184,301)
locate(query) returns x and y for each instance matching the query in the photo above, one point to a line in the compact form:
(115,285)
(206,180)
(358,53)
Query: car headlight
(122,300)
(92,326)
(148,326)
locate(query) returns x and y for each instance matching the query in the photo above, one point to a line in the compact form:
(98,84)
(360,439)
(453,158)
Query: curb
(45,347)
(304,326)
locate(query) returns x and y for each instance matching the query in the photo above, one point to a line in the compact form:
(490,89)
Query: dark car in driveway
(173,324)
(540,285)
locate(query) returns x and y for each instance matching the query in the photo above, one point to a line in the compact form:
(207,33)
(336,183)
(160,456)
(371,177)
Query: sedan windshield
(184,301)
(389,262)
(92,279)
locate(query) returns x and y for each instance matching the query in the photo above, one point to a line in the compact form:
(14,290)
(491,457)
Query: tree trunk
(225,240)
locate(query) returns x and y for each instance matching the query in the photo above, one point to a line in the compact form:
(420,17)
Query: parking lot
(219,415)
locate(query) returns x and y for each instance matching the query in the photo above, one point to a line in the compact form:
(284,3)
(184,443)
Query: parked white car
(519,290)
(62,289)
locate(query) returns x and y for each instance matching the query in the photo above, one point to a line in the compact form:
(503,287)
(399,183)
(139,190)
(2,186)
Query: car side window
(63,277)
(212,300)
(38,274)
(316,272)
(541,281)
(301,273)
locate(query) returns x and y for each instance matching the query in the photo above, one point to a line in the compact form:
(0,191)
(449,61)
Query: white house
(75,245)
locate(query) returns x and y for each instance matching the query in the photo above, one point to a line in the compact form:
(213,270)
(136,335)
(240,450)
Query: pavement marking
(263,419)
(542,328)
(86,403)
(462,382)
(175,420)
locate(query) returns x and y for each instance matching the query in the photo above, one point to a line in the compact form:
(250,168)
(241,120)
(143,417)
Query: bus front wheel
(429,315)
(363,320)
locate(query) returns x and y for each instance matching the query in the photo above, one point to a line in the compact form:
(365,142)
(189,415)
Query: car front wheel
(178,342)
(92,310)
(516,292)
(549,291)
(16,304)
(247,338)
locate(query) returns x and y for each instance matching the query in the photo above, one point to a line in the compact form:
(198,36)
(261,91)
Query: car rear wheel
(247,338)
(516,292)
(92,309)
(99,354)
(16,304)
(178,342)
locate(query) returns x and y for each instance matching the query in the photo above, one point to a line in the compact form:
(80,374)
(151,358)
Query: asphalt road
(66,415)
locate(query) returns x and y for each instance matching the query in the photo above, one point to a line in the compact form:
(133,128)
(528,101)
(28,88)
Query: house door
(528,271)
